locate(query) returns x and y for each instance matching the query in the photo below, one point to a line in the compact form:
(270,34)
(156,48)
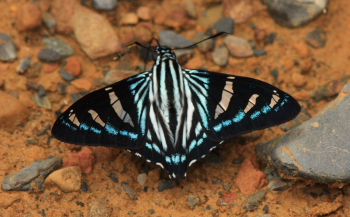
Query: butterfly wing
(232,105)
(114,116)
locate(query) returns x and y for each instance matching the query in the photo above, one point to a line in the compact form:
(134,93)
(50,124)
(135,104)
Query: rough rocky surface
(318,149)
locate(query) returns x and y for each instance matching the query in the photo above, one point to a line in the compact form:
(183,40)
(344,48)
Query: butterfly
(172,116)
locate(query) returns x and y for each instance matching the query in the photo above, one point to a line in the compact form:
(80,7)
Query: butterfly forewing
(172,116)
(108,117)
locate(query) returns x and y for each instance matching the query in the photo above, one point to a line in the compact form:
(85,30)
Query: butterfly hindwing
(114,116)
(232,105)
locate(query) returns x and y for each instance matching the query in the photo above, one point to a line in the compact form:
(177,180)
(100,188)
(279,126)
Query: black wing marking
(114,116)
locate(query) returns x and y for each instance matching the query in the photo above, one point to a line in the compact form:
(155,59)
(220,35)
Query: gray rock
(129,190)
(8,51)
(318,149)
(254,200)
(292,13)
(225,24)
(193,200)
(166,185)
(276,182)
(49,22)
(171,39)
(260,52)
(4,37)
(66,75)
(220,56)
(104,5)
(206,45)
(31,177)
(41,99)
(58,45)
(238,47)
(316,38)
(48,55)
(24,65)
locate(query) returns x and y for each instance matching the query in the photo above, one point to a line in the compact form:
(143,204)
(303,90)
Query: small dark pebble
(224,25)
(270,38)
(62,88)
(32,85)
(166,185)
(151,211)
(48,55)
(8,51)
(145,189)
(84,187)
(266,209)
(193,200)
(313,195)
(325,192)
(42,212)
(208,207)
(129,190)
(41,91)
(316,38)
(49,22)
(260,52)
(80,204)
(274,72)
(24,65)
(66,75)
(172,39)
(114,178)
(238,161)
(44,131)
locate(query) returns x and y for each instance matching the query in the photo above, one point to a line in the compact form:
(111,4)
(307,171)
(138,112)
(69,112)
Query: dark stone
(260,52)
(48,55)
(41,91)
(316,149)
(314,195)
(66,75)
(270,38)
(4,37)
(225,24)
(32,177)
(151,211)
(49,22)
(84,187)
(166,185)
(316,38)
(59,45)
(104,5)
(24,65)
(171,39)
(114,178)
(292,13)
(274,72)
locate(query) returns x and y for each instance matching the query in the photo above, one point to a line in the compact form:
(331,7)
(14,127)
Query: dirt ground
(205,180)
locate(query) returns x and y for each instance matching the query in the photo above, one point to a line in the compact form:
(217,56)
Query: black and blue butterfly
(172,116)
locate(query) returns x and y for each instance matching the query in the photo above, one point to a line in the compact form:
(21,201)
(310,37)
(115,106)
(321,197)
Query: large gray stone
(319,149)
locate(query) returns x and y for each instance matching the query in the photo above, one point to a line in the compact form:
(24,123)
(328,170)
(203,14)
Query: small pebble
(193,200)
(298,80)
(142,178)
(260,34)
(66,76)
(8,51)
(302,49)
(274,72)
(85,84)
(58,45)
(28,17)
(191,8)
(114,178)
(238,47)
(42,102)
(24,65)
(67,179)
(104,5)
(84,187)
(253,201)
(172,39)
(220,56)
(144,13)
(240,11)
(41,91)
(100,209)
(48,55)
(225,24)
(129,190)
(73,66)
(270,38)
(129,19)
(49,22)
(316,38)
(31,177)
(166,185)
(260,52)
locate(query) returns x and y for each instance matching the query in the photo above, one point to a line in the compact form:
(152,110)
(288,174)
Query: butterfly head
(165,53)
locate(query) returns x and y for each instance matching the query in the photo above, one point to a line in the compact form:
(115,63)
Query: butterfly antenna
(213,36)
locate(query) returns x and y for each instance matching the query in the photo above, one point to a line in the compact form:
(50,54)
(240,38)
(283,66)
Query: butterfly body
(172,116)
